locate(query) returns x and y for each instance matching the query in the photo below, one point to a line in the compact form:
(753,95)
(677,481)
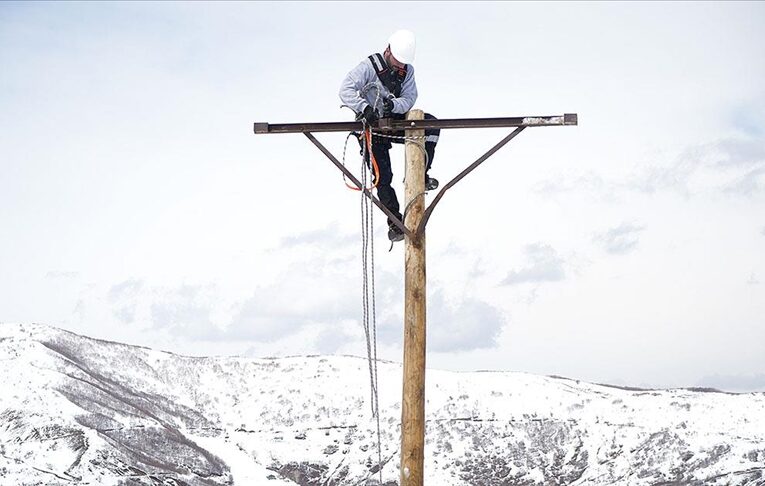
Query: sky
(137,205)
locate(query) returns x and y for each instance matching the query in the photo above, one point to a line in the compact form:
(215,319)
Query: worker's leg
(431,139)
(385,192)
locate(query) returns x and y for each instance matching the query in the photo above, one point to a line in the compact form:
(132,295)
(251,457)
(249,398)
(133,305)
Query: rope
(408,206)
(398,137)
(421,146)
(367,149)
(369,319)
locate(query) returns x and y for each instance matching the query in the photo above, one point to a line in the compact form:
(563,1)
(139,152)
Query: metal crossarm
(389,124)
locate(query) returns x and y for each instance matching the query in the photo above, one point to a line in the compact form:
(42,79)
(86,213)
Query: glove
(369,115)
(387,107)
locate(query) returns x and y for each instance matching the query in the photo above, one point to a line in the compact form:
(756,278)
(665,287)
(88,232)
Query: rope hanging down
(369,316)
(367,148)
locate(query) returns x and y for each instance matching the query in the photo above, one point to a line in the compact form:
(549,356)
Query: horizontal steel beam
(389,124)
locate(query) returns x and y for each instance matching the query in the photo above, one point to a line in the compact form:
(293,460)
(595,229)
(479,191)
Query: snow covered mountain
(75,410)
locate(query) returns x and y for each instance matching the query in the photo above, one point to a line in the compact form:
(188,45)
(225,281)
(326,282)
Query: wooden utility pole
(413,399)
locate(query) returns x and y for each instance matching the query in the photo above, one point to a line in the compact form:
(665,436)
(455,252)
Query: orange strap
(368,141)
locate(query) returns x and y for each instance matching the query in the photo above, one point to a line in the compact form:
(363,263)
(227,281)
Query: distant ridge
(78,410)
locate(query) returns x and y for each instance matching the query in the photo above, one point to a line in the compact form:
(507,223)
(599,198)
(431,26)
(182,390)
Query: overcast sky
(137,205)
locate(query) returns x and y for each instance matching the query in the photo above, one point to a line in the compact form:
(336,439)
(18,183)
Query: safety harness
(391,77)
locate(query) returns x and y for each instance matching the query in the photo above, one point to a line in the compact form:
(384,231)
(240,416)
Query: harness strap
(378,62)
(390,78)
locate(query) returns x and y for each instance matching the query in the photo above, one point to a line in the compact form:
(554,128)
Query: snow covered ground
(75,410)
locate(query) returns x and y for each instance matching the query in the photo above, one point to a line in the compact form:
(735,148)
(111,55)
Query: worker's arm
(354,82)
(405,102)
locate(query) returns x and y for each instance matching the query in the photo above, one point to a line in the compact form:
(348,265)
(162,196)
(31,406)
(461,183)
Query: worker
(383,86)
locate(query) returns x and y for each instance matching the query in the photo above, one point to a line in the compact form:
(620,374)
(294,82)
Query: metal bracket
(393,125)
(429,211)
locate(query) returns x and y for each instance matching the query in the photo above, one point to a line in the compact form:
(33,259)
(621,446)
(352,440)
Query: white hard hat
(402,45)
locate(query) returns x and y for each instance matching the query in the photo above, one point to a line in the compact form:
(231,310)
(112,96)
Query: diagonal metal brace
(421,228)
(358,184)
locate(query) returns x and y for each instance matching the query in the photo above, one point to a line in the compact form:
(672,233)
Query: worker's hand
(387,107)
(369,115)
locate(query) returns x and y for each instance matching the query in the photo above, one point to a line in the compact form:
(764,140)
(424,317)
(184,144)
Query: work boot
(394,233)
(431,183)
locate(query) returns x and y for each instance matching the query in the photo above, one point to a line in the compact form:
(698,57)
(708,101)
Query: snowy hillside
(75,410)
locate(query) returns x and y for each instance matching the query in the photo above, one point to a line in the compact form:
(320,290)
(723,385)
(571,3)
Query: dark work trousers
(381,149)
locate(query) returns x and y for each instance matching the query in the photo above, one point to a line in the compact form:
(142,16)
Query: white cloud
(54,274)
(185,311)
(587,182)
(330,237)
(621,239)
(128,289)
(749,184)
(732,165)
(333,336)
(465,325)
(545,266)
(124,298)
(708,165)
